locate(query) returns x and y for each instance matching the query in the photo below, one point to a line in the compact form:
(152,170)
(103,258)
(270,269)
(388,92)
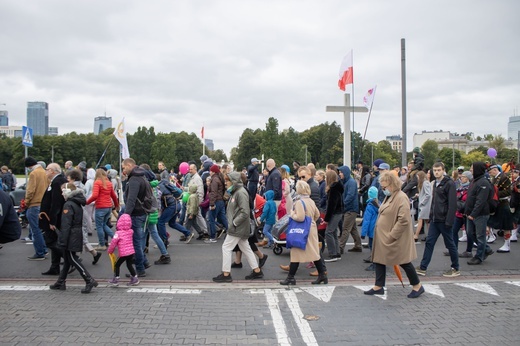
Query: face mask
(465,184)
(387,192)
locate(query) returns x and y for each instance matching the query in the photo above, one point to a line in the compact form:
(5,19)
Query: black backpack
(149,203)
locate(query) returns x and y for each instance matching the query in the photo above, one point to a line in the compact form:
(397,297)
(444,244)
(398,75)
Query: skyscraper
(101,124)
(513,128)
(38,117)
(4,118)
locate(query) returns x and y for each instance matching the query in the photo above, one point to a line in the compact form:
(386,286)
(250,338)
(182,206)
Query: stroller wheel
(277,250)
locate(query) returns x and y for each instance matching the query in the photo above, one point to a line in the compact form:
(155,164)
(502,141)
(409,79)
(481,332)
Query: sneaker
(368,259)
(210,241)
(36,258)
(100,248)
(182,238)
(446,253)
(420,271)
(261,261)
(466,254)
(223,278)
(491,238)
(488,253)
(200,237)
(268,246)
(219,233)
(27,239)
(331,259)
(355,249)
(371,267)
(134,281)
(451,273)
(96,258)
(463,238)
(114,282)
(139,274)
(255,275)
(164,259)
(237,265)
(147,265)
(188,238)
(474,261)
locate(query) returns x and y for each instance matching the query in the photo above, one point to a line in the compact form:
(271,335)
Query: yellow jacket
(36,187)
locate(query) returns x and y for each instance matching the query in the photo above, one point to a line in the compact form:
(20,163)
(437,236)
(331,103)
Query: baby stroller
(278,233)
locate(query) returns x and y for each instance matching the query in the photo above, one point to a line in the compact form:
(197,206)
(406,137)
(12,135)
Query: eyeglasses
(303,177)
(383,187)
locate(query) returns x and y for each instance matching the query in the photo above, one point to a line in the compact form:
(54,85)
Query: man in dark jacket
(350,211)
(50,215)
(442,216)
(274,182)
(477,211)
(253,177)
(134,194)
(10,228)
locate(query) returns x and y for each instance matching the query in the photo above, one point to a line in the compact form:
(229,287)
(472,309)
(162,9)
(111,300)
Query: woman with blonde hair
(105,197)
(393,239)
(303,207)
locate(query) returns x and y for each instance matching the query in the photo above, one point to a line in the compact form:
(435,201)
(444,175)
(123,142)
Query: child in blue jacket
(369,221)
(269,216)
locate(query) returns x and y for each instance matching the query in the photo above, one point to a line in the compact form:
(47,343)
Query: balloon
(184,168)
(492,152)
(185,197)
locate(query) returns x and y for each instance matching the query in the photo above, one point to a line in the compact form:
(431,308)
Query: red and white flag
(346,72)
(368,99)
(202,132)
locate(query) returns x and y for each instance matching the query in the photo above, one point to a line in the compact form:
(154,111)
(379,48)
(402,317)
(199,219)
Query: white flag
(120,133)
(368,99)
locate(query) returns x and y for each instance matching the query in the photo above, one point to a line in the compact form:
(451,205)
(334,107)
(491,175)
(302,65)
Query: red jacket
(103,196)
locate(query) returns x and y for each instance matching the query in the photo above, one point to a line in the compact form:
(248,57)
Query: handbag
(298,232)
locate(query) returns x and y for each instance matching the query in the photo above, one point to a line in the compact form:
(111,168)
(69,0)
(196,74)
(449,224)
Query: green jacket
(192,208)
(238,209)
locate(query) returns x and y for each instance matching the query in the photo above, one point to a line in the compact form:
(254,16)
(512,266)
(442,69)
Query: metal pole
(453,156)
(403,98)
(518,146)
(26,154)
(305,154)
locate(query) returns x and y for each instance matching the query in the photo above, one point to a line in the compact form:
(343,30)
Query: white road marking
(481,287)
(366,288)
(276,315)
(516,283)
(433,289)
(24,288)
(305,329)
(164,290)
(322,293)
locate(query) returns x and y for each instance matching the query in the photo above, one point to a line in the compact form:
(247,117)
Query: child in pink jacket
(124,243)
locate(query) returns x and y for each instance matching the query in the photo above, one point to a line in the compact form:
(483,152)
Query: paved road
(178,304)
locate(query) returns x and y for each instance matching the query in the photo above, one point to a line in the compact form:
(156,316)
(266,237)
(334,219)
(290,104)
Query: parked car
(17,195)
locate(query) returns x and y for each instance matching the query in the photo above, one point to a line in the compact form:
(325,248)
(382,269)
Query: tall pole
(305,154)
(403,98)
(518,147)
(453,156)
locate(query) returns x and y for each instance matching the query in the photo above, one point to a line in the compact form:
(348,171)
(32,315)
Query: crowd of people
(66,206)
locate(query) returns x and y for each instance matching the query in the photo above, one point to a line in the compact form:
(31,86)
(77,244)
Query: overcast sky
(229,65)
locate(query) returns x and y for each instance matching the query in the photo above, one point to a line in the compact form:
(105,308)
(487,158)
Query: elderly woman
(393,237)
(312,251)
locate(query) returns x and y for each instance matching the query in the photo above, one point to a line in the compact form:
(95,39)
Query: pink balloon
(184,168)
(492,152)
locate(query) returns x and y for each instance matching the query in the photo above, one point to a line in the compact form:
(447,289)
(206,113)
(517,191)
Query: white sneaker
(514,237)
(464,237)
(491,238)
(504,248)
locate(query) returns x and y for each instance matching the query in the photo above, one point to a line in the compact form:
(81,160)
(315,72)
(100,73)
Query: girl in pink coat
(124,243)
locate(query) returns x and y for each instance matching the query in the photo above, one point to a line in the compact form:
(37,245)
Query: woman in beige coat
(312,250)
(393,237)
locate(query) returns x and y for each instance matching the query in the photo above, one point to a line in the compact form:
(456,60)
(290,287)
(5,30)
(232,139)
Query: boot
(513,238)
(505,247)
(321,278)
(91,283)
(58,285)
(288,281)
(464,237)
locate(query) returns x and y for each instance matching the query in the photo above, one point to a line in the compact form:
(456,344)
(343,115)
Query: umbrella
(398,273)
(113,260)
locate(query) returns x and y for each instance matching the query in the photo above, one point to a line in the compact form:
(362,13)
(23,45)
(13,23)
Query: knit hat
(108,166)
(468,175)
(287,169)
(124,222)
(214,169)
(378,162)
(372,192)
(82,165)
(29,161)
(416,150)
(203,158)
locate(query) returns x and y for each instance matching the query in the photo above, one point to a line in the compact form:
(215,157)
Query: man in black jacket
(477,211)
(253,177)
(442,216)
(50,215)
(10,228)
(274,182)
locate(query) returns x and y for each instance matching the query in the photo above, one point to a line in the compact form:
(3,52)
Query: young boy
(192,209)
(269,216)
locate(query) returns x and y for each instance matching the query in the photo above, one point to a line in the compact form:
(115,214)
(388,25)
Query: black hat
(29,161)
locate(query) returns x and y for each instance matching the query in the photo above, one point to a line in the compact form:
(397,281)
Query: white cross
(346,109)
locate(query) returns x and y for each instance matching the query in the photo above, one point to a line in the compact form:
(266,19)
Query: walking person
(333,214)
(70,238)
(217,207)
(424,197)
(442,216)
(105,197)
(123,241)
(350,211)
(369,220)
(303,207)
(36,187)
(269,218)
(501,219)
(393,237)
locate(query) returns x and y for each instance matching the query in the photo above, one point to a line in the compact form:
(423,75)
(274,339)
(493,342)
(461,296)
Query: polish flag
(202,132)
(346,72)
(368,99)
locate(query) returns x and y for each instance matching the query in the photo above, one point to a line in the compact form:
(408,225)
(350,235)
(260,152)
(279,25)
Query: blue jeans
(169,215)
(32,214)
(477,229)
(152,229)
(435,230)
(457,224)
(267,233)
(138,240)
(218,213)
(102,215)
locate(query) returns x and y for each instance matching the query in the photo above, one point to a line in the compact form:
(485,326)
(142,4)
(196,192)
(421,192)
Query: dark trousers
(71,259)
(293,267)
(408,268)
(129,264)
(252,187)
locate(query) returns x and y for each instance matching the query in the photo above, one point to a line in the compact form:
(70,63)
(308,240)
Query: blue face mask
(387,192)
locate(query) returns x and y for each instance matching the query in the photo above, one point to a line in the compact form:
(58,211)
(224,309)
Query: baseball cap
(384,166)
(254,159)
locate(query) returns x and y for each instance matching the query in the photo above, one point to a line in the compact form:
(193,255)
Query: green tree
(218,155)
(140,144)
(164,149)
(291,146)
(430,150)
(473,156)
(271,145)
(446,155)
(248,147)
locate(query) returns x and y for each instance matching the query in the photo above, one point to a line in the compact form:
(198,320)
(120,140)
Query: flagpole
(368,120)
(353,115)
(104,152)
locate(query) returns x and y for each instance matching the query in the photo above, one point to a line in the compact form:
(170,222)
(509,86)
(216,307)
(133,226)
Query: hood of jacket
(346,172)
(207,165)
(137,172)
(269,195)
(479,169)
(235,178)
(77,196)
(124,222)
(192,189)
(91,173)
(149,175)
(112,173)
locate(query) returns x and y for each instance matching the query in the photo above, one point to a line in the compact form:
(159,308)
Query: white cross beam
(346,109)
